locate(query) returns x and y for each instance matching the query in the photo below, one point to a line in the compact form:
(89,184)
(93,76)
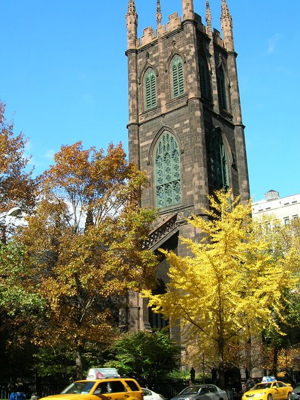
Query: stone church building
(185,126)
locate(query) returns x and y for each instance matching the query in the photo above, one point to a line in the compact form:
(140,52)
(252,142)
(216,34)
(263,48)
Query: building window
(177,76)
(286,221)
(150,89)
(157,320)
(218,170)
(295,217)
(167,171)
(204,79)
(221,88)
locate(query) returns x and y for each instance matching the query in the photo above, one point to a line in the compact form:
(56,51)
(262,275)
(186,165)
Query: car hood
(66,396)
(254,392)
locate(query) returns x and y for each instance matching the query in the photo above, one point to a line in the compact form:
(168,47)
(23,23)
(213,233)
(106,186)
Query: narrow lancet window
(219,176)
(150,89)
(221,88)
(204,79)
(177,76)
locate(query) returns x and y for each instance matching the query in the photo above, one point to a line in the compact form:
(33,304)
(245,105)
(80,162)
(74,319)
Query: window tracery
(167,171)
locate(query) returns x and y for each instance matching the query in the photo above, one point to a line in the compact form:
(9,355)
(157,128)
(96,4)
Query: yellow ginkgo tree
(229,287)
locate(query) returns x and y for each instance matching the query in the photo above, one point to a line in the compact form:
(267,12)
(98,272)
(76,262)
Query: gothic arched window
(177,76)
(204,78)
(167,171)
(221,88)
(150,89)
(218,163)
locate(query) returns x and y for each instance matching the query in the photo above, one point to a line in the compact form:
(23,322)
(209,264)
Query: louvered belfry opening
(150,89)
(177,76)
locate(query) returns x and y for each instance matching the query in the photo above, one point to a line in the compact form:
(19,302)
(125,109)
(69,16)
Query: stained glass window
(218,163)
(177,76)
(167,171)
(150,89)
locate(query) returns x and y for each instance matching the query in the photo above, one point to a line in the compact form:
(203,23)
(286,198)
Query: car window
(275,385)
(204,390)
(190,390)
(146,392)
(259,386)
(213,389)
(133,386)
(116,387)
(79,388)
(281,384)
(101,388)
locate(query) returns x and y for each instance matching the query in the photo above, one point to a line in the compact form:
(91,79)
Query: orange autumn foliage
(85,245)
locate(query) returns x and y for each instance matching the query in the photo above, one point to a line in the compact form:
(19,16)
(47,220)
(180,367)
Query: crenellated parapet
(148,36)
(217,38)
(175,22)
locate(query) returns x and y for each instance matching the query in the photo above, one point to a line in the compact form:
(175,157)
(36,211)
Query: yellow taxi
(275,390)
(101,389)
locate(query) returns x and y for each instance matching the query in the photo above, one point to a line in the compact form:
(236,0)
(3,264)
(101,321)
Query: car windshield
(190,390)
(79,388)
(259,386)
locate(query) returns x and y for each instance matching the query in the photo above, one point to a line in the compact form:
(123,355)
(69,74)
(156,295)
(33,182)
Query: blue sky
(63,77)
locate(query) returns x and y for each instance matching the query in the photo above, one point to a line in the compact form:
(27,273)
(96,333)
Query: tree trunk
(221,371)
(79,369)
(275,361)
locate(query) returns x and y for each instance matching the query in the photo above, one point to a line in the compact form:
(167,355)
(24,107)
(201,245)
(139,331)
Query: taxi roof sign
(101,373)
(268,379)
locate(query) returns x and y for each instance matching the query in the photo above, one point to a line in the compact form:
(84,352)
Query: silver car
(296,393)
(201,392)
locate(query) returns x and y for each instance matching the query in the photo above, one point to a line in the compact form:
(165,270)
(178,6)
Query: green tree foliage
(147,356)
(15,298)
(230,287)
(84,246)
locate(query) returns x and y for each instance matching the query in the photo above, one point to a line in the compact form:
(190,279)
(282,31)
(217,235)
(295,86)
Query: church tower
(185,124)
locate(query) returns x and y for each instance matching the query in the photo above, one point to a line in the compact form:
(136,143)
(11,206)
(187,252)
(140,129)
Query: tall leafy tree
(17,193)
(84,246)
(147,356)
(229,287)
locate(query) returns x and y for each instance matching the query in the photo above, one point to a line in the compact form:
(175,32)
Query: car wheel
(289,396)
(270,397)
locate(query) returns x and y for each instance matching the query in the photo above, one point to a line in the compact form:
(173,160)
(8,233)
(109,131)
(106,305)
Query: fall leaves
(84,243)
(232,286)
(80,251)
